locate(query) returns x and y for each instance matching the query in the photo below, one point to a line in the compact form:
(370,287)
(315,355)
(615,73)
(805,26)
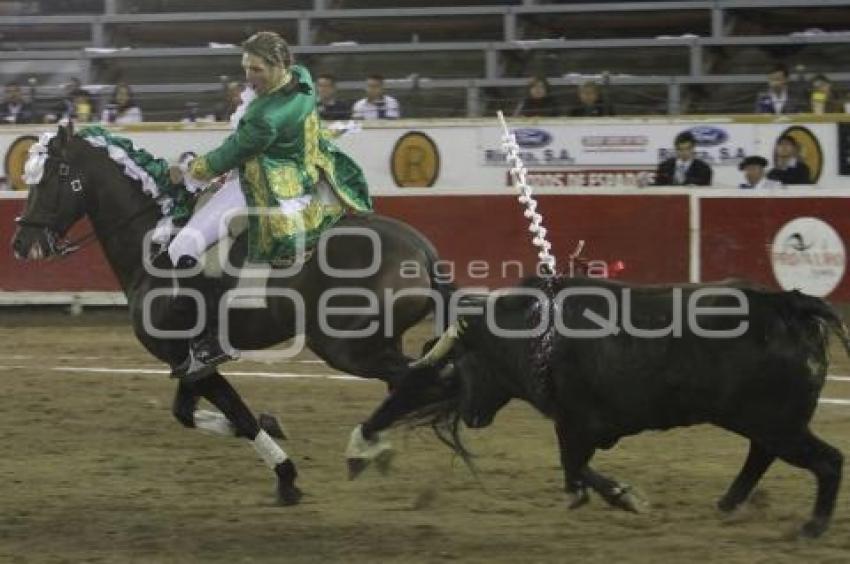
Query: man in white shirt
(754,176)
(376,104)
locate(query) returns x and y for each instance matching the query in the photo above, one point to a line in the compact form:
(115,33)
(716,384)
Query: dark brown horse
(395,290)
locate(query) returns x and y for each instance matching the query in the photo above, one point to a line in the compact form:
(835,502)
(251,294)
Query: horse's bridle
(62,247)
(48,222)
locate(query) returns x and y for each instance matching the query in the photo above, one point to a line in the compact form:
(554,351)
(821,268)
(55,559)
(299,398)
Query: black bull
(760,380)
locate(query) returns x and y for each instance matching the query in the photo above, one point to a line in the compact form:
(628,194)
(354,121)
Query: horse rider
(286,175)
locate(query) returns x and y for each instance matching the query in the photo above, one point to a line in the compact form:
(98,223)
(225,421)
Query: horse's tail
(443,286)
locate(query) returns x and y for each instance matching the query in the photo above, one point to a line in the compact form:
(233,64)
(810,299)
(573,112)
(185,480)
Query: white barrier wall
(464,156)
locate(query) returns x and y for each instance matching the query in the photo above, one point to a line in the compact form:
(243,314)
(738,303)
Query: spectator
(789,168)
(754,176)
(590,102)
(77,104)
(232,99)
(376,104)
(777,99)
(823,99)
(14,108)
(122,108)
(684,169)
(330,109)
(538,102)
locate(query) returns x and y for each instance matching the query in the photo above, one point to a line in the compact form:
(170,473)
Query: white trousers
(205,227)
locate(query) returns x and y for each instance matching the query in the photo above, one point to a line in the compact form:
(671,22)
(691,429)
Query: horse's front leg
(419,389)
(184,408)
(221,394)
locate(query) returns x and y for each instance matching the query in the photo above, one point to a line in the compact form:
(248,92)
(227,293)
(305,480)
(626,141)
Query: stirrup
(195,368)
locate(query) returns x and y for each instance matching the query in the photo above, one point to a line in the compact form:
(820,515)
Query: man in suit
(789,168)
(753,169)
(684,169)
(778,98)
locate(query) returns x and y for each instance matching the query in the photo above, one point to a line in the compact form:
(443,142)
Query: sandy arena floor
(94,469)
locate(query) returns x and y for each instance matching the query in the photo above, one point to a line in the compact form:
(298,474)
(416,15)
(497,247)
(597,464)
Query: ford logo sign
(530,138)
(708,136)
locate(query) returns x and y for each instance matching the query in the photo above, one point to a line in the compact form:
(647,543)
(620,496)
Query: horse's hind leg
(184,409)
(221,394)
(758,461)
(825,462)
(184,405)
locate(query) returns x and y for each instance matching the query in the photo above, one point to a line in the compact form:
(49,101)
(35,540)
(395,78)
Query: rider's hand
(175,173)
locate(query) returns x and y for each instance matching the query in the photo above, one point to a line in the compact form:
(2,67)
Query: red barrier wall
(649,232)
(737,234)
(492,228)
(86,270)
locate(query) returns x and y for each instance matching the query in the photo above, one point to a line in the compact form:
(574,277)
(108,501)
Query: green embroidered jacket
(279,149)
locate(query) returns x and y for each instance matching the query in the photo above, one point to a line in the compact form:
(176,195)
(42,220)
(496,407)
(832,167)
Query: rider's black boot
(205,350)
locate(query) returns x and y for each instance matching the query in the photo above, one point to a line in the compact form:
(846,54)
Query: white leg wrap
(269,450)
(214,423)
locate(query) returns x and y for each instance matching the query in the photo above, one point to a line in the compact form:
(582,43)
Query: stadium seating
(441,58)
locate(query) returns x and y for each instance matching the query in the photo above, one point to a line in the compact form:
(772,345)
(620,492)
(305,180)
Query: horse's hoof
(290,495)
(578,498)
(356,466)
(362,451)
(271,425)
(814,528)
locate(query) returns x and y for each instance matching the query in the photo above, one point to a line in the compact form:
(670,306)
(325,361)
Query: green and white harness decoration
(175,201)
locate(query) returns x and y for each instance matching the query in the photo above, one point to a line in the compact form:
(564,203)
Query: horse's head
(56,200)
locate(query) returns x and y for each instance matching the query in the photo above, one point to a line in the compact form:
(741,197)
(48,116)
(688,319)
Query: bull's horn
(440,349)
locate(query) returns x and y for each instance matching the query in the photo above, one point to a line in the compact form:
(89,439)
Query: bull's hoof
(630,501)
(626,498)
(384,460)
(727,505)
(271,425)
(356,466)
(289,495)
(814,528)
(577,498)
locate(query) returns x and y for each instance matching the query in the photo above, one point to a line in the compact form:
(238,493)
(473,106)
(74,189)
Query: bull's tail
(805,308)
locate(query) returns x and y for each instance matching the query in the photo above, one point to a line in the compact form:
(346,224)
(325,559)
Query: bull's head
(456,352)
(55,202)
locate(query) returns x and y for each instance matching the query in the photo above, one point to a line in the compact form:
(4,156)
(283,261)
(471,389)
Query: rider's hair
(270,47)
